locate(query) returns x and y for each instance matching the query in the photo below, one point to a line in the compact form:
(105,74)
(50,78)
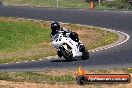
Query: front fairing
(59,40)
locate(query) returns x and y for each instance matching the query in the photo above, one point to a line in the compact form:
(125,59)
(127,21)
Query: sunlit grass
(15,36)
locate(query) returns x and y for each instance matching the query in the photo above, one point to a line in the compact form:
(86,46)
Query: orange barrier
(91,4)
(83,78)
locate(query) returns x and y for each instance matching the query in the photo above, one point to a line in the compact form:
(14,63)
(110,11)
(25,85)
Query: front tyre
(66,54)
(85,55)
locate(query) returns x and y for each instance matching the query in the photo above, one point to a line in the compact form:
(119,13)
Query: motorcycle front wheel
(85,55)
(66,54)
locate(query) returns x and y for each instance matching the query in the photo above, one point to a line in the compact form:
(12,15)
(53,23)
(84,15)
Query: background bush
(117,4)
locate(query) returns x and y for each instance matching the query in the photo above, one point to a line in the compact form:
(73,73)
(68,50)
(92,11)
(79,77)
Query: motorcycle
(68,48)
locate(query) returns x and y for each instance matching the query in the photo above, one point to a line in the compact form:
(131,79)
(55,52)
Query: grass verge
(48,3)
(65,77)
(30,40)
(53,3)
(35,77)
(113,5)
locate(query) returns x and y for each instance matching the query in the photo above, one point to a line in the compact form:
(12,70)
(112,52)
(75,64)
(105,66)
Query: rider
(55,27)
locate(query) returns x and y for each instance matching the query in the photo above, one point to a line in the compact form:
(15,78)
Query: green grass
(67,4)
(34,77)
(103,7)
(49,3)
(30,40)
(52,77)
(129,70)
(15,36)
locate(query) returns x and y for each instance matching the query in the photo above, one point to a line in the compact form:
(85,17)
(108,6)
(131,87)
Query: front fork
(66,48)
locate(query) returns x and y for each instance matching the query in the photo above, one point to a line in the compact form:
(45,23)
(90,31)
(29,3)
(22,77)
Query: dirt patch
(9,84)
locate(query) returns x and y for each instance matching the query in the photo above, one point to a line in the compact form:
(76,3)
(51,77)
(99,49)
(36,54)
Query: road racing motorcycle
(68,47)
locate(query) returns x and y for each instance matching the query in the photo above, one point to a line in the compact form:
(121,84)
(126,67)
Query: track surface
(120,56)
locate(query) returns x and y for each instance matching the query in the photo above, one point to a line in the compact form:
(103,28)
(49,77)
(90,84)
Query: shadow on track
(77,59)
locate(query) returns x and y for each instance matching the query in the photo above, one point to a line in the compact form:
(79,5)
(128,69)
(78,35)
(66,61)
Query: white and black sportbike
(69,46)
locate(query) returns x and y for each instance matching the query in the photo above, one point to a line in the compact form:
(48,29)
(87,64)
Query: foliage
(118,4)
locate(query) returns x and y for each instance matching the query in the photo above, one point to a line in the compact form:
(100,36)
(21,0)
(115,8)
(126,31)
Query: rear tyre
(66,54)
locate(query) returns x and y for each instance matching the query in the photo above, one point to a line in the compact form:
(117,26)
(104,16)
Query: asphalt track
(117,57)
